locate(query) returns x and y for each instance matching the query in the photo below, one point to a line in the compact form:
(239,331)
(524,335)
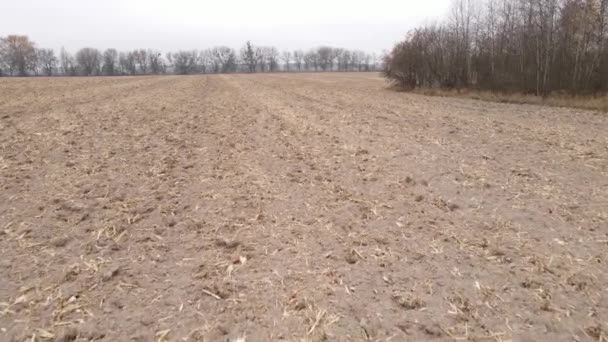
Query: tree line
(531,46)
(19,56)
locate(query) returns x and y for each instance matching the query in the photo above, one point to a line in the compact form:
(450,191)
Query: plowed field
(297,207)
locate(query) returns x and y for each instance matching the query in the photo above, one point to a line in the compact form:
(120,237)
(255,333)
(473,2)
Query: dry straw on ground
(597,102)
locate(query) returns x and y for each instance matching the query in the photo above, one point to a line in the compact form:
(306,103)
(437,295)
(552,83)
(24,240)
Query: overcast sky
(170,25)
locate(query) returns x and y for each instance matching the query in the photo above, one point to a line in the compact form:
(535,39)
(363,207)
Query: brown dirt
(296,207)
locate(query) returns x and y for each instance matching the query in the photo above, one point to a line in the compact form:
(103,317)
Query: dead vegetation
(597,102)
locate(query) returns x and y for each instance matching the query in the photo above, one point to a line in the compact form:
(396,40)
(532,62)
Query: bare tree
(17,52)
(110,61)
(312,60)
(249,57)
(262,58)
(286,59)
(169,58)
(343,58)
(298,58)
(185,62)
(141,60)
(122,63)
(272,55)
(205,61)
(326,57)
(371,62)
(47,60)
(360,61)
(155,59)
(224,59)
(532,46)
(3,66)
(268,58)
(67,63)
(33,63)
(130,63)
(19,56)
(89,61)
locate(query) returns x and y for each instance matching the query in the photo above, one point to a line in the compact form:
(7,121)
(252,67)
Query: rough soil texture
(300,207)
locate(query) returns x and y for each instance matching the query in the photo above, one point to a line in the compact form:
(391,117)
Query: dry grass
(599,103)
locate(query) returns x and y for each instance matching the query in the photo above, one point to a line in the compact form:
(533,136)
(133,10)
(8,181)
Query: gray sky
(170,25)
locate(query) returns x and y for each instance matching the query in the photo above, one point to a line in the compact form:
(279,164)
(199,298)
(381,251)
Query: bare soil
(300,207)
